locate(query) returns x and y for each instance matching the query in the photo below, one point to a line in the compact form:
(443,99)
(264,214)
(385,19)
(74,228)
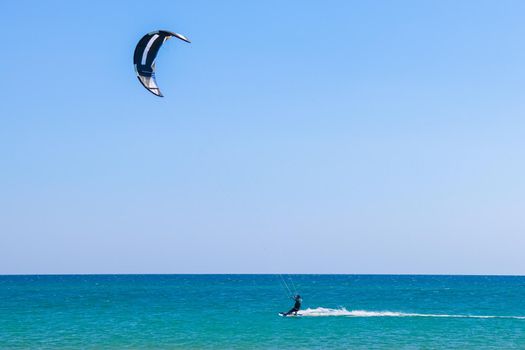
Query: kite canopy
(145,54)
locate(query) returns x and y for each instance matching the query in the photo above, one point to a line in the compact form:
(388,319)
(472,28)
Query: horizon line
(261,274)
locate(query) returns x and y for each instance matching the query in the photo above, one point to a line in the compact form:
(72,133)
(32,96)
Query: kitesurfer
(296,307)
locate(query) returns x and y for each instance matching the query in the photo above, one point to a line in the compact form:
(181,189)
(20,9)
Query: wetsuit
(295,308)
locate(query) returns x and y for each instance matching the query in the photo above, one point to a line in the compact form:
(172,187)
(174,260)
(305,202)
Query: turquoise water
(240,311)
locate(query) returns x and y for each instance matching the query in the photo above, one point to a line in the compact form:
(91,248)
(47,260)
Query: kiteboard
(283,314)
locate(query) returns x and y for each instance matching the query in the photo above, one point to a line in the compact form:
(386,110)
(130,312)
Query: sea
(241,312)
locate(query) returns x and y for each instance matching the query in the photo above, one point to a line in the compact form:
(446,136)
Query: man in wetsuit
(296,307)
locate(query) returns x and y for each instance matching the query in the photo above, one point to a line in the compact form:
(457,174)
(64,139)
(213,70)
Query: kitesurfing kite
(145,54)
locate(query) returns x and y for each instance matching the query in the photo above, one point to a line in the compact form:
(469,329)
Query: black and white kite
(145,54)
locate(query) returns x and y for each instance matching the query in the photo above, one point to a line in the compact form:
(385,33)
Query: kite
(145,55)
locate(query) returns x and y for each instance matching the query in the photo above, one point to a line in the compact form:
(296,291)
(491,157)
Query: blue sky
(295,137)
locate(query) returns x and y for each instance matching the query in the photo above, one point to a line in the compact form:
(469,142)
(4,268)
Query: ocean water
(241,312)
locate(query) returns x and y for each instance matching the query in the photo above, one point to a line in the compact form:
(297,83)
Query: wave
(327,312)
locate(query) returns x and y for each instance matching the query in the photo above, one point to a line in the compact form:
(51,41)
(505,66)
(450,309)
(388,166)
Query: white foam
(327,312)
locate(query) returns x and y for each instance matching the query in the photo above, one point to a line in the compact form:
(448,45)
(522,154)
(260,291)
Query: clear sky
(295,137)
